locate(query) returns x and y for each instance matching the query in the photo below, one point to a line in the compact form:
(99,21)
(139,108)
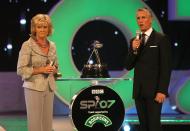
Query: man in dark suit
(150,56)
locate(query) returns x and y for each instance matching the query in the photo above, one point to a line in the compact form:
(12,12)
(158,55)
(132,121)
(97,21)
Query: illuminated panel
(183,100)
(178,9)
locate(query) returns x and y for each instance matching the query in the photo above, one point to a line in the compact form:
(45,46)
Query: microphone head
(138,34)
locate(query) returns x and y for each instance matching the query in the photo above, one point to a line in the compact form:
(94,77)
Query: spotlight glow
(9,46)
(126,127)
(116,32)
(5,49)
(174,107)
(91,62)
(176,44)
(28,9)
(22,21)
(44,1)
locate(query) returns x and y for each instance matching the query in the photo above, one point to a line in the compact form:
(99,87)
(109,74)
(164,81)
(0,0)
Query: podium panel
(97,108)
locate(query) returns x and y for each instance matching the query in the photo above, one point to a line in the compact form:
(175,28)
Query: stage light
(126,127)
(173,107)
(22,21)
(28,9)
(13,1)
(5,49)
(9,46)
(176,44)
(91,62)
(116,32)
(44,1)
(72,48)
(89,49)
(162,13)
(8,49)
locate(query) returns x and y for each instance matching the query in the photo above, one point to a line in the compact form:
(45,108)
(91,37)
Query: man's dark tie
(143,39)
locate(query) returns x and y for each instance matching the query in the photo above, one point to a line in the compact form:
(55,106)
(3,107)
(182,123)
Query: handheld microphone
(138,34)
(138,38)
(51,63)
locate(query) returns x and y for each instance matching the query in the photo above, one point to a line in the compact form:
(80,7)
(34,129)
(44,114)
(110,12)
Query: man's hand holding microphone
(136,42)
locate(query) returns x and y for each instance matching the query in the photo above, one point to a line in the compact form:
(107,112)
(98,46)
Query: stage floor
(64,123)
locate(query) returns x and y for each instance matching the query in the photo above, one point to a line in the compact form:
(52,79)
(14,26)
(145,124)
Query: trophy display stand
(97,106)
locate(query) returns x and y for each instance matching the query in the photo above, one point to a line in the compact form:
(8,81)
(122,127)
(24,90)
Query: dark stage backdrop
(13,33)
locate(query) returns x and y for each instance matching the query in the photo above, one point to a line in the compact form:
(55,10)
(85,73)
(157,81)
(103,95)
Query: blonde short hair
(40,18)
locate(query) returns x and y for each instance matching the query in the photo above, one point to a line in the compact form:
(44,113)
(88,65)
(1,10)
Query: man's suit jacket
(31,56)
(152,66)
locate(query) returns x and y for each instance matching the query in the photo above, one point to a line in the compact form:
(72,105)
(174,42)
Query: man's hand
(160,97)
(136,44)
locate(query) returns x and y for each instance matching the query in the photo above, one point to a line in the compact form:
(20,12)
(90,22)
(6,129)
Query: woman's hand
(48,69)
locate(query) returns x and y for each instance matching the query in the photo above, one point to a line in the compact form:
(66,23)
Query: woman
(37,64)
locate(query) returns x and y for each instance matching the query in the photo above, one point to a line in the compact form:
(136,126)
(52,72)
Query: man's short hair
(146,10)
